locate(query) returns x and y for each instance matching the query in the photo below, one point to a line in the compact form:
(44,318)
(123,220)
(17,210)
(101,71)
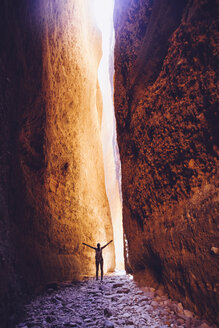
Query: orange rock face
(53,196)
(166,110)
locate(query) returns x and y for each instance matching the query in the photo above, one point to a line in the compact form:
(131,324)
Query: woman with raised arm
(98,257)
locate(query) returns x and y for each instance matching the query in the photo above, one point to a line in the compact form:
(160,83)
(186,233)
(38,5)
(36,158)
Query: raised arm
(106,244)
(89,246)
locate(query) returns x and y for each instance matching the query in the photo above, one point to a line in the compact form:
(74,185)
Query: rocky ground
(115,302)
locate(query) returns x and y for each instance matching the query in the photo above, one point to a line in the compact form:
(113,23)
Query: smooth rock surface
(52,186)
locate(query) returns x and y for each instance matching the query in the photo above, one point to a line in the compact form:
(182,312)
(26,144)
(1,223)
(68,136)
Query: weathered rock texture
(166,102)
(52,182)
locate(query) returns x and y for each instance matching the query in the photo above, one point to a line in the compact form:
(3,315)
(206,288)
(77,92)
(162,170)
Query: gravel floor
(115,302)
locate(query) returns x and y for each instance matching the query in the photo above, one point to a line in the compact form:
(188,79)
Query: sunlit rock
(53,196)
(103,13)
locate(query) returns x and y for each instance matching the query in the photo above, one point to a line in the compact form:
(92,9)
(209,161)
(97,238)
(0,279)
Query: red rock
(166,111)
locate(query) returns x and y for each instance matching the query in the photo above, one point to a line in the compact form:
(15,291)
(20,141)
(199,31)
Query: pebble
(115,302)
(107,312)
(108,324)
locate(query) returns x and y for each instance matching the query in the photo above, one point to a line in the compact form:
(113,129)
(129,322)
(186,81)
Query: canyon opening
(78,76)
(103,13)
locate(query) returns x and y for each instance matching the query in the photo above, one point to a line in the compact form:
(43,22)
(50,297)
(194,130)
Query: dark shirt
(98,255)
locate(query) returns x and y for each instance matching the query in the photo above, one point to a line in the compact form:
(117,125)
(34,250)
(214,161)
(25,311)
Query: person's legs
(97,269)
(101,268)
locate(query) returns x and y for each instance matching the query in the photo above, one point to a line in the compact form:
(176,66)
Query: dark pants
(97,269)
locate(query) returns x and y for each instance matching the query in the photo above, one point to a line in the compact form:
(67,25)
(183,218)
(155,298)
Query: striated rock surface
(166,110)
(52,182)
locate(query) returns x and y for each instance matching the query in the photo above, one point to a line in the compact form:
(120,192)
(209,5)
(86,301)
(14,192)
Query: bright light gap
(103,15)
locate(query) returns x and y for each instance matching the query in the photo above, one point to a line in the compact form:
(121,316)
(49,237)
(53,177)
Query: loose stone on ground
(115,302)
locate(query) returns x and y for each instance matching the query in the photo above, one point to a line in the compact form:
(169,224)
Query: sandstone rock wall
(166,110)
(52,182)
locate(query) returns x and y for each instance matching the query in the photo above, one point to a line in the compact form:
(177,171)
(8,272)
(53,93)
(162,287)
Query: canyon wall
(52,180)
(166,110)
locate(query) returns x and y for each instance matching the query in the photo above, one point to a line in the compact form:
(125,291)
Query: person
(98,257)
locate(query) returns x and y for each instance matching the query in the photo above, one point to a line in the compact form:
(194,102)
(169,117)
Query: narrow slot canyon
(78,77)
(103,14)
